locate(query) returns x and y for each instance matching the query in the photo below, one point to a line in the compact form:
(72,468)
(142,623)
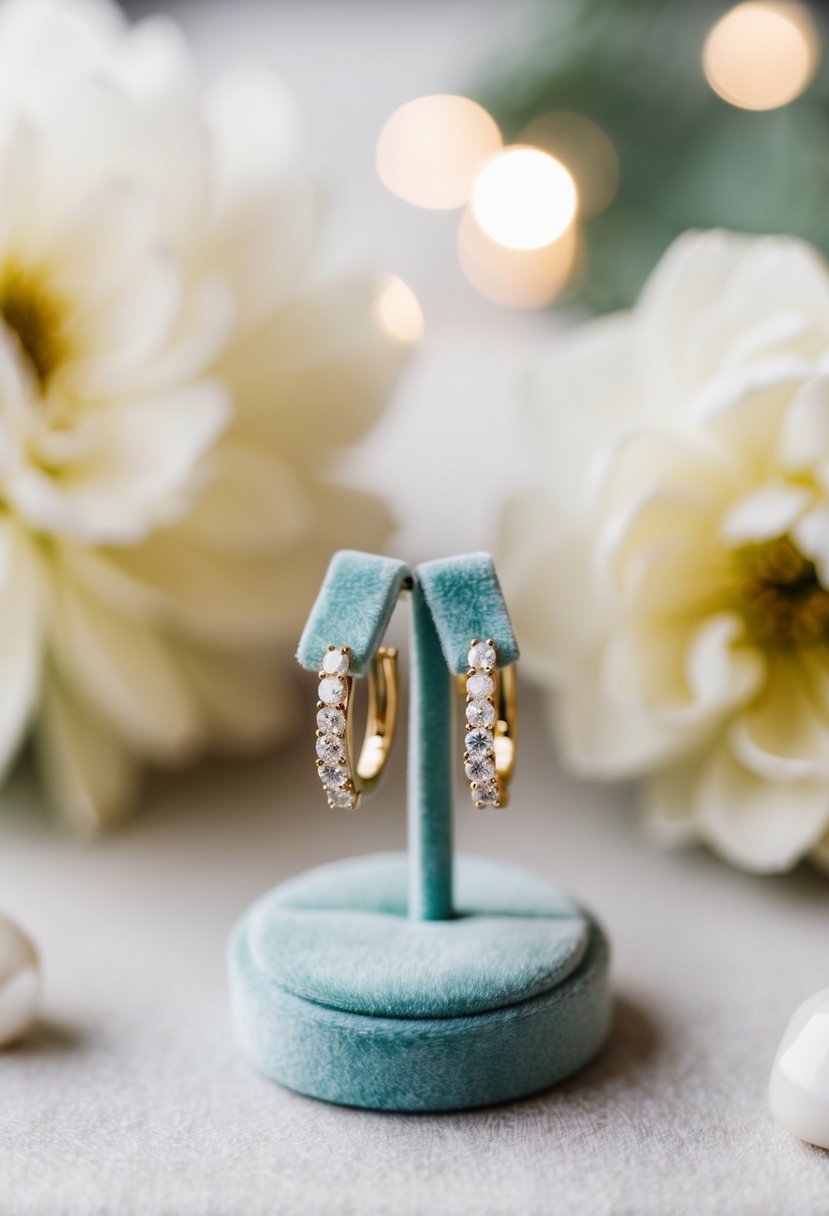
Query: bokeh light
(582,147)
(519,278)
(431,149)
(761,55)
(524,198)
(397,310)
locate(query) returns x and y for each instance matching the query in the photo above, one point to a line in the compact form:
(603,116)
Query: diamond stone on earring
(482,654)
(335,663)
(477,741)
(330,747)
(480,769)
(480,713)
(332,690)
(331,721)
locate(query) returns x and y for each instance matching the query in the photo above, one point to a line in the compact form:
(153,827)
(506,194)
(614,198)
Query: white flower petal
(784,736)
(709,289)
(677,577)
(610,739)
(689,676)
(201,331)
(758,823)
(252,503)
(583,396)
(820,853)
(123,670)
(18,173)
(642,463)
(804,434)
(679,291)
(100,246)
(238,600)
(90,774)
(320,367)
(18,405)
(560,615)
(244,701)
(670,815)
(261,249)
(47,39)
(764,513)
(125,332)
(723,671)
(811,535)
(744,411)
(94,571)
(135,477)
(20,638)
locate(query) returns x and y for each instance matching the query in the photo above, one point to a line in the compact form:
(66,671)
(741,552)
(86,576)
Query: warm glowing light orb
(761,55)
(518,278)
(431,149)
(397,311)
(584,149)
(524,198)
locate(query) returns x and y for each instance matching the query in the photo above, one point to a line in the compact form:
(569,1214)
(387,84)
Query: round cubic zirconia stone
(480,685)
(480,713)
(335,663)
(342,797)
(331,721)
(329,747)
(489,795)
(332,776)
(478,742)
(480,769)
(481,655)
(332,690)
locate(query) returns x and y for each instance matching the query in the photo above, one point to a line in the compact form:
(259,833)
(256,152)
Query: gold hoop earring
(344,779)
(491,726)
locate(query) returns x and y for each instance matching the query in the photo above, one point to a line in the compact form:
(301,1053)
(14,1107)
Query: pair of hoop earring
(489,732)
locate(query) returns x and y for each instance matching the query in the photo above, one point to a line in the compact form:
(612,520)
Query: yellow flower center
(28,307)
(784,601)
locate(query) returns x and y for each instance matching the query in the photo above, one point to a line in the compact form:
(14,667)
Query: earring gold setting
(491,725)
(345,779)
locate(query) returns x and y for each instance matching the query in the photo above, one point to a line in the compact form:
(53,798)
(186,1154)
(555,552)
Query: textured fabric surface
(353,608)
(422,1063)
(466,600)
(363,954)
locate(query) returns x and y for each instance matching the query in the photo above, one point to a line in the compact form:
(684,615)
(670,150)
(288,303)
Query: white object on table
(19,982)
(799,1083)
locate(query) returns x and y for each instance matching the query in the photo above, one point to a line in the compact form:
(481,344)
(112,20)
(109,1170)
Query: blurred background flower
(670,571)
(173,387)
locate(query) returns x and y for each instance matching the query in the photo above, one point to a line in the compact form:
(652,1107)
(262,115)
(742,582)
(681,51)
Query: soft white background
(131,1098)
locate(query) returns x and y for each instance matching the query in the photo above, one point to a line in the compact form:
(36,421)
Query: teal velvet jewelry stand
(407,983)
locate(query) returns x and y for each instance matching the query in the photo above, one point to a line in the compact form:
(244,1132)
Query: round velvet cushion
(337,995)
(339,936)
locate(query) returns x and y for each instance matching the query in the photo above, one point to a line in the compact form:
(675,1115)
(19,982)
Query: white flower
(172,392)
(671,570)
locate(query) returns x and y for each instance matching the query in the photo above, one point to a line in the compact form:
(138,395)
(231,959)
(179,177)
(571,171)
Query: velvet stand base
(337,995)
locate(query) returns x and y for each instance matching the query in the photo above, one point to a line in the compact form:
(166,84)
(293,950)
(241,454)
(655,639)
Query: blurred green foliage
(688,159)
